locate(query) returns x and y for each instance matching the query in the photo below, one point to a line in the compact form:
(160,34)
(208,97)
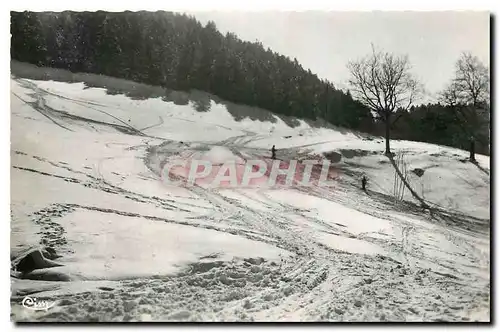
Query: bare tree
(469,93)
(383,82)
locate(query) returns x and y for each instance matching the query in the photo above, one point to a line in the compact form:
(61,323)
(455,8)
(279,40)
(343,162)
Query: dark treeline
(444,125)
(177,52)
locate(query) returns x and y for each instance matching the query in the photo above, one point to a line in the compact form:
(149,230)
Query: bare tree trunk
(387,136)
(422,202)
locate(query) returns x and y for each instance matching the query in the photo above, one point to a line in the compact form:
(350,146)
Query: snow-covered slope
(86,181)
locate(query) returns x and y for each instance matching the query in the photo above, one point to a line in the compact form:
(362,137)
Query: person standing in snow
(273,152)
(472,156)
(363,183)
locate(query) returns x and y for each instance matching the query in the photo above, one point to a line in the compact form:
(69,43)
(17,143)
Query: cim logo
(34,304)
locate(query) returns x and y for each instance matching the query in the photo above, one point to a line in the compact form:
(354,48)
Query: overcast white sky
(326,41)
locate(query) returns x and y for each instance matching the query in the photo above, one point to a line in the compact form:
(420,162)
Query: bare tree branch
(396,119)
(472,80)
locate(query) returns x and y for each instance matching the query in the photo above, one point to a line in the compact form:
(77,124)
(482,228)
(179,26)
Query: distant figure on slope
(273,152)
(472,156)
(363,183)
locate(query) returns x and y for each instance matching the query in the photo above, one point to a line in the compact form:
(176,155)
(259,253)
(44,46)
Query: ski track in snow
(340,254)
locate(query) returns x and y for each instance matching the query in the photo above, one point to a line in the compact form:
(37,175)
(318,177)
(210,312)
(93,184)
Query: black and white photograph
(250,166)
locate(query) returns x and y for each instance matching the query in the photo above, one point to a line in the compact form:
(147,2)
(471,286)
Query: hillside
(175,51)
(86,181)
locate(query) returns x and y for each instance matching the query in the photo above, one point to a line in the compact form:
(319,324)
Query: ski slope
(86,181)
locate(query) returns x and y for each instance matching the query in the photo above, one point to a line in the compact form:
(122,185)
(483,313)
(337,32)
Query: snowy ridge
(86,181)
